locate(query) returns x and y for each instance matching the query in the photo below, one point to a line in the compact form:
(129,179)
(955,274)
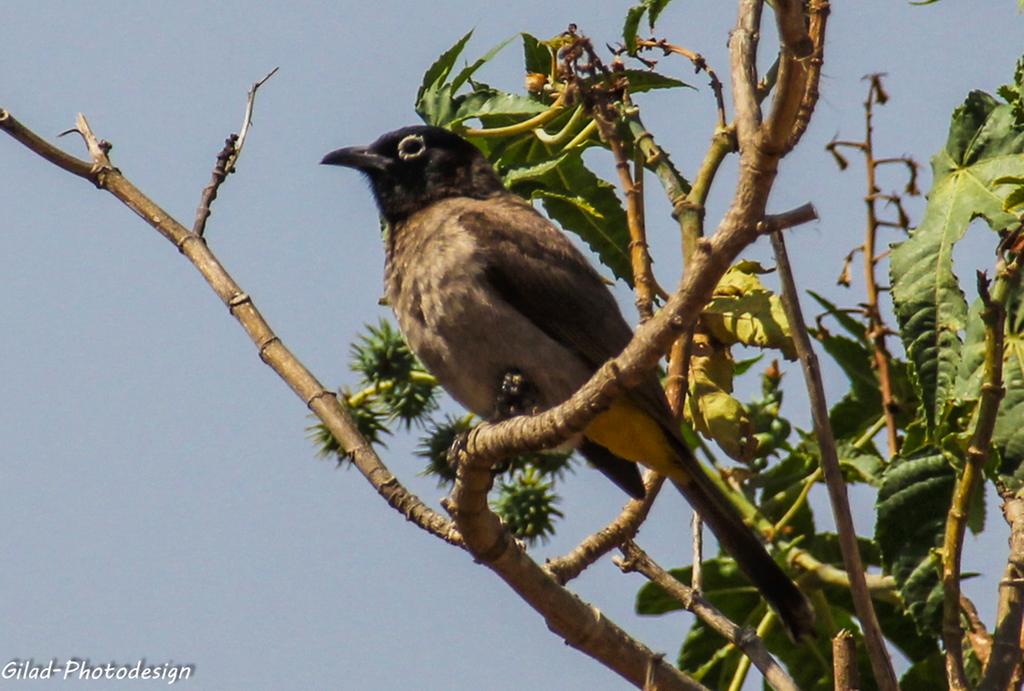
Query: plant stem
(994,317)
(881,664)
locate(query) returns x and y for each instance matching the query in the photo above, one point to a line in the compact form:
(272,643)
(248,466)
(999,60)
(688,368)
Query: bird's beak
(358,157)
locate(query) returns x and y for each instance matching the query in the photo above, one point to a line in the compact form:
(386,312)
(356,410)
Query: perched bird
(510,317)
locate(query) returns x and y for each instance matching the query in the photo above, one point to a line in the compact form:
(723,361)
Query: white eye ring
(411,147)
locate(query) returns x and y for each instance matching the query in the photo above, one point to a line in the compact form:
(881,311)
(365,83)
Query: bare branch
(226,159)
(743,638)
(844,661)
(743,52)
(805,213)
(34,142)
(625,526)
(580,624)
(699,63)
(272,351)
(877,653)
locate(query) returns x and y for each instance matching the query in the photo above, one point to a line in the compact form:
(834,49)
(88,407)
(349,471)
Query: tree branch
(743,638)
(272,351)
(844,661)
(1005,663)
(625,526)
(994,318)
(877,653)
(581,625)
(819,11)
(226,159)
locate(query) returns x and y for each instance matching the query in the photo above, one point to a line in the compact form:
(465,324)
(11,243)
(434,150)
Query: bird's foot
(517,395)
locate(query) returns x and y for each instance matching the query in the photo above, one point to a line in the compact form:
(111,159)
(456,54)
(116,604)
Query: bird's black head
(413,167)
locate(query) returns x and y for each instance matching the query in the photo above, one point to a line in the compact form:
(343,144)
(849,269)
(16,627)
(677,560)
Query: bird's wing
(535,268)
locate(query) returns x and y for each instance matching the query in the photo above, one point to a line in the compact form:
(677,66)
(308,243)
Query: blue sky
(161,498)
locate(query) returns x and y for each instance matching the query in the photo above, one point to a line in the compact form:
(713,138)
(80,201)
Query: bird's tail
(626,431)
(736,538)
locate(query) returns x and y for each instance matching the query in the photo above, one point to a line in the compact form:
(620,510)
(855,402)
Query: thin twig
(625,526)
(322,402)
(644,283)
(227,158)
(876,329)
(699,63)
(877,652)
(635,559)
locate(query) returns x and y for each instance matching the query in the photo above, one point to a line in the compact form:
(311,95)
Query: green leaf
(1014,92)
(927,674)
(971,369)
(652,8)
(438,103)
(743,366)
(1008,435)
(631,26)
(487,102)
(522,174)
(586,205)
(710,407)
(1014,202)
(646,80)
(468,71)
(536,55)
(429,98)
(984,144)
(912,506)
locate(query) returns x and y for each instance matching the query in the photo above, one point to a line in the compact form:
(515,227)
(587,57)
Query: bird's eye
(411,147)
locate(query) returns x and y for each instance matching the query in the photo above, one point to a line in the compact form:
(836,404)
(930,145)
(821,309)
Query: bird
(510,317)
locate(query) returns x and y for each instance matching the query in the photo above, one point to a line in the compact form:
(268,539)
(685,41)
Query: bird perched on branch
(510,317)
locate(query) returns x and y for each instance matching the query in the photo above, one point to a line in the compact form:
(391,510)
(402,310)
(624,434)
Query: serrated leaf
(631,26)
(1008,435)
(436,74)
(970,371)
(984,144)
(706,656)
(743,366)
(536,55)
(1014,202)
(912,506)
(487,102)
(710,407)
(438,103)
(647,80)
(522,174)
(468,71)
(652,8)
(588,206)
